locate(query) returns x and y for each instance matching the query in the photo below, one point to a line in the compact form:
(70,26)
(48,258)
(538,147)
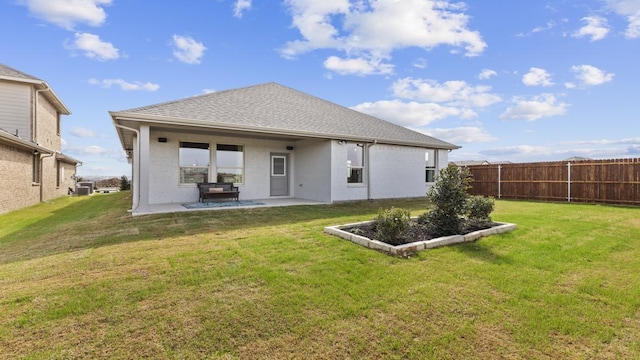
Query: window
(35,173)
(230,163)
(194,162)
(278,166)
(59,173)
(355,163)
(58,124)
(430,165)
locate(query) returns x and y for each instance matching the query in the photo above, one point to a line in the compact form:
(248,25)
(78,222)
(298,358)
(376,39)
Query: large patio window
(355,163)
(430,165)
(194,162)
(230,163)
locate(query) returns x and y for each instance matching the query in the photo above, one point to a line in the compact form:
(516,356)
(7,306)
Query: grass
(80,278)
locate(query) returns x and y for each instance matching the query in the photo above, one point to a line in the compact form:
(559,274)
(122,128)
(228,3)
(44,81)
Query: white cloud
(208,91)
(594,149)
(82,132)
(357,66)
(537,77)
(452,93)
(570,85)
(626,141)
(596,27)
(537,107)
(461,135)
(420,63)
(631,10)
(521,150)
(187,49)
(93,47)
(548,26)
(125,85)
(240,6)
(412,114)
(487,74)
(371,30)
(87,150)
(68,13)
(591,75)
(420,102)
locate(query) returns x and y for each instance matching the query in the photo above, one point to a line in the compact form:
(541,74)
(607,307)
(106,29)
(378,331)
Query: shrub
(392,224)
(448,197)
(479,209)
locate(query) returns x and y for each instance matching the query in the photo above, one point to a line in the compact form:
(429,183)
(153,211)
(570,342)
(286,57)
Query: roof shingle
(6,71)
(272,107)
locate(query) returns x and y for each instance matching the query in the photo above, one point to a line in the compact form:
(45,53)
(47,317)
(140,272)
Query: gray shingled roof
(11,74)
(6,71)
(275,108)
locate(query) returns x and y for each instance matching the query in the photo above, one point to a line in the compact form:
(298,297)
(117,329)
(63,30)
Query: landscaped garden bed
(454,217)
(415,239)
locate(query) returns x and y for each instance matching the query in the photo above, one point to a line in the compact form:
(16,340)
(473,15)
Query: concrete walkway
(176,207)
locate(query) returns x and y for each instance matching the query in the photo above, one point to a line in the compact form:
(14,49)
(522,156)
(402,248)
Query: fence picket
(611,181)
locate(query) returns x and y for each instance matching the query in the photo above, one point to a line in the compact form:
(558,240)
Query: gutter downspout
(368,167)
(136,161)
(35,113)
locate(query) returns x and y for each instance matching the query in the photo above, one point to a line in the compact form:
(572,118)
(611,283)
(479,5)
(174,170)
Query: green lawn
(81,278)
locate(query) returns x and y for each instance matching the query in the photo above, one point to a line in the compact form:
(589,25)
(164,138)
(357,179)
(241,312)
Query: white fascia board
(12,139)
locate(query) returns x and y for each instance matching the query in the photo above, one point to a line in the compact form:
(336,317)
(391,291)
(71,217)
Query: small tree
(449,197)
(125,184)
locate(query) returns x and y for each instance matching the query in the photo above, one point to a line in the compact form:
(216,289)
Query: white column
(143,176)
(135,173)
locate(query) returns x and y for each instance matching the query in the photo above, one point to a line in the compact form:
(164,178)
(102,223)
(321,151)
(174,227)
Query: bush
(449,197)
(479,209)
(392,224)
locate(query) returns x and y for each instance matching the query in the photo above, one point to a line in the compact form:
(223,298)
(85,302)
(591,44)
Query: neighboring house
(32,168)
(272,141)
(463,163)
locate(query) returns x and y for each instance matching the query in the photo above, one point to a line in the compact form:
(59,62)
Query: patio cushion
(215,189)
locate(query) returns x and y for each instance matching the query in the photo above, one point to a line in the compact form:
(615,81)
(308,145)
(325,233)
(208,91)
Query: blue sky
(507,80)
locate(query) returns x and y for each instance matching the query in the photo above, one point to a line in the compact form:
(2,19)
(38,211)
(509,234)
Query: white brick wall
(318,169)
(164,174)
(397,171)
(313,170)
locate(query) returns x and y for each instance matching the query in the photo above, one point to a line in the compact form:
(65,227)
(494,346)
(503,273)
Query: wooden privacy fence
(601,181)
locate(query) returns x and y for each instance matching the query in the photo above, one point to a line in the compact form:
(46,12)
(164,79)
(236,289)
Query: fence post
(499,190)
(568,182)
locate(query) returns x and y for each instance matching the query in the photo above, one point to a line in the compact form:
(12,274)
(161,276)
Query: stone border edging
(407,249)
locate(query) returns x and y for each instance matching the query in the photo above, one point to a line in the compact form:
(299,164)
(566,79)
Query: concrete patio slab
(273,202)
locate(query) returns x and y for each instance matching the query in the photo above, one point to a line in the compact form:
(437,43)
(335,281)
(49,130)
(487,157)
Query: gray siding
(15,109)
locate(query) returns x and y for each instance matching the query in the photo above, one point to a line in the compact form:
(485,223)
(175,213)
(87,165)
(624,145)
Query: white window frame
(284,169)
(362,167)
(195,166)
(428,168)
(241,168)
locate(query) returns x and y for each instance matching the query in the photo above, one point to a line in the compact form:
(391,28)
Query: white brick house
(272,142)
(32,168)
